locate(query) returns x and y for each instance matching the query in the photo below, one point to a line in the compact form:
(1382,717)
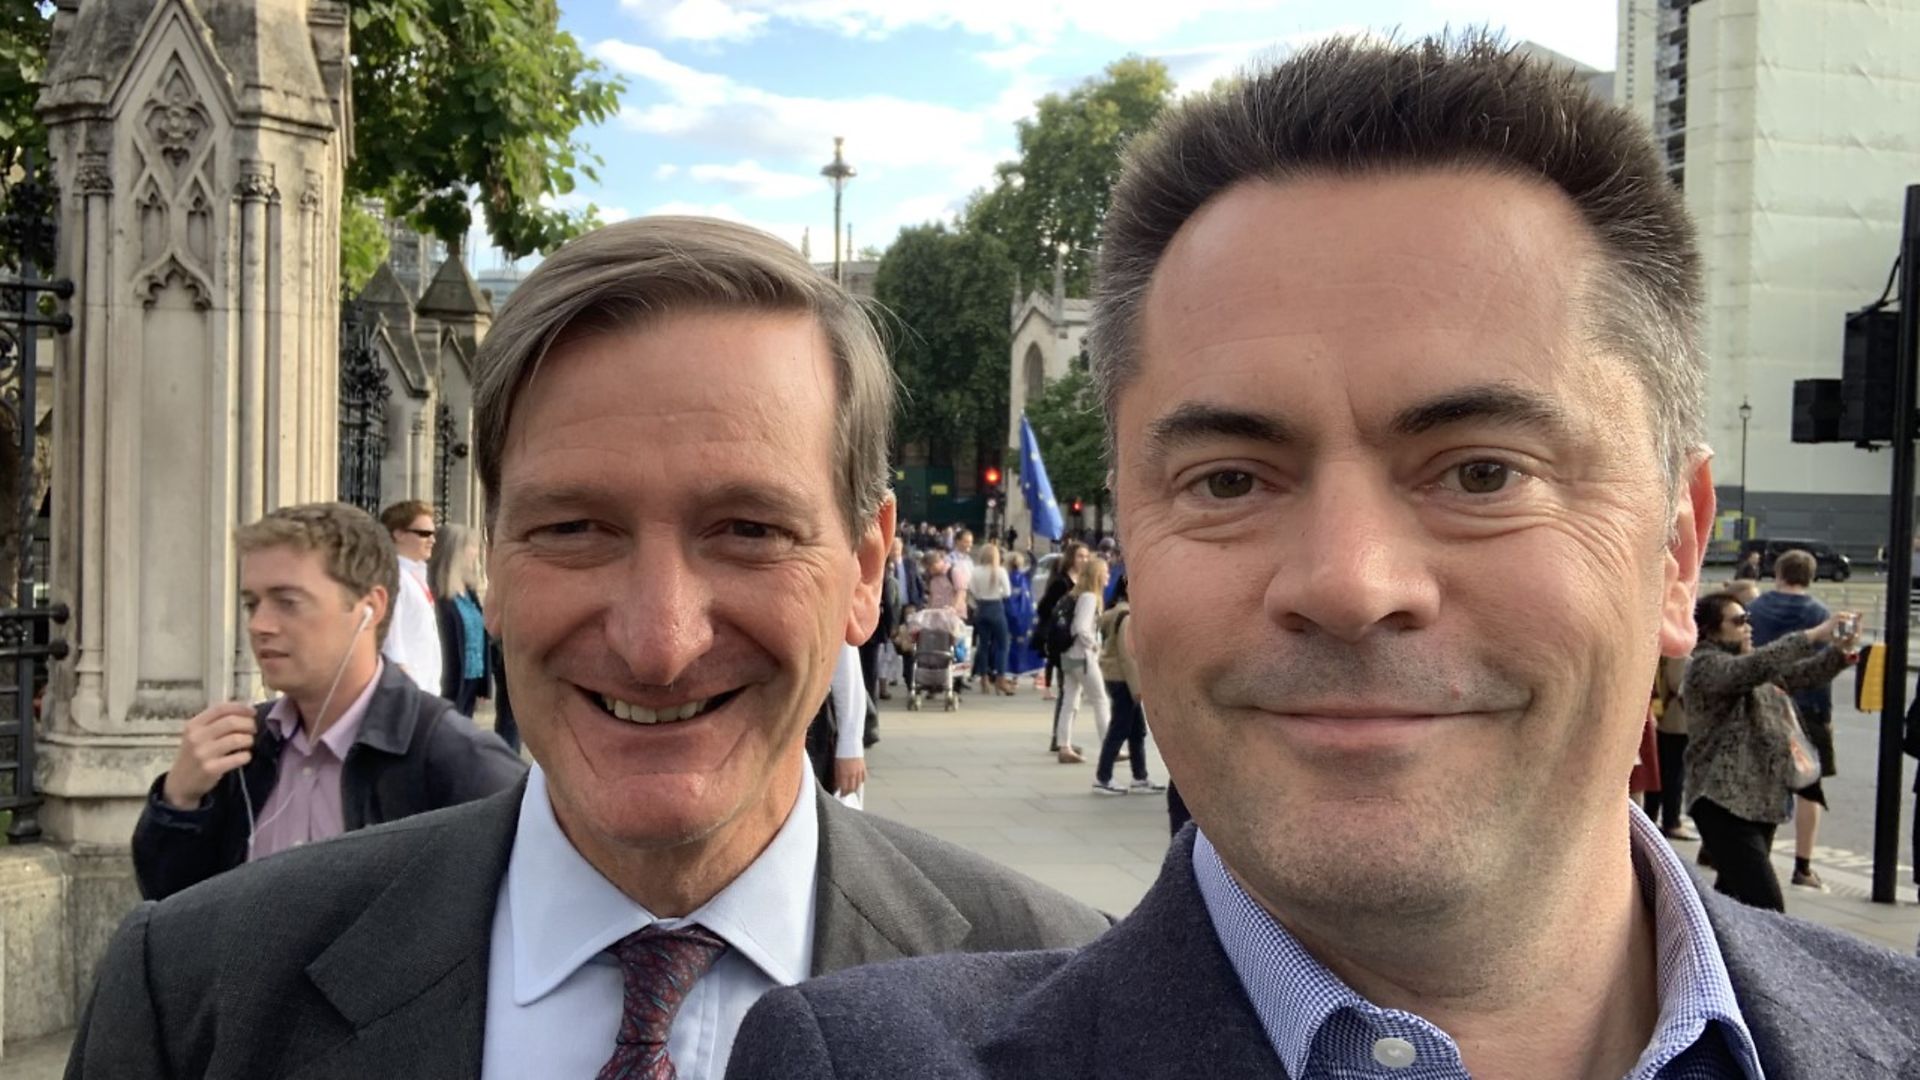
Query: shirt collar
(563,912)
(284,718)
(1294,995)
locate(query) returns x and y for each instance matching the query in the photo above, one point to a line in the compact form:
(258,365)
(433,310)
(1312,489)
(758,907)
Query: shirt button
(1394,1053)
(306,770)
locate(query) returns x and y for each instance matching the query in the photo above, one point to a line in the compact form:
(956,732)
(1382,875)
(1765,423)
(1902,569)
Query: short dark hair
(1710,611)
(1355,107)
(1795,568)
(401,515)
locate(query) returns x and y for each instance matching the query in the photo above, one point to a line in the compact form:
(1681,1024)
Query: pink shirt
(305,804)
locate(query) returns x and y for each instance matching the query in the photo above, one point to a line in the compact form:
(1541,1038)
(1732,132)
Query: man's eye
(1229,484)
(1483,477)
(564,528)
(750,530)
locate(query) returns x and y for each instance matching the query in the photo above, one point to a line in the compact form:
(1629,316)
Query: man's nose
(1355,561)
(659,622)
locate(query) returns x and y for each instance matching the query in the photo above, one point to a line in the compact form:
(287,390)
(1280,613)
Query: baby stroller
(942,653)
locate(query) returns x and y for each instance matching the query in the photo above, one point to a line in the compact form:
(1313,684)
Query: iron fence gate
(363,410)
(448,449)
(29,302)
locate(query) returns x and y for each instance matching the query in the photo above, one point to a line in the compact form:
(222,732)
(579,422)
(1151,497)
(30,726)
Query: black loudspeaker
(1868,358)
(1817,409)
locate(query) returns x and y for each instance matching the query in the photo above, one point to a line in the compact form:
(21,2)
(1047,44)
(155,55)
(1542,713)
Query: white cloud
(1013,57)
(751,178)
(1007,21)
(882,131)
(697,20)
(1194,68)
(666,172)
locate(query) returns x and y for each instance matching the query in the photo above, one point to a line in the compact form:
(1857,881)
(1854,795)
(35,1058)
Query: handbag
(1803,761)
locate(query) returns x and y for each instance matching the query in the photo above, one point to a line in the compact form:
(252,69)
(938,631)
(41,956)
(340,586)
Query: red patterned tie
(659,968)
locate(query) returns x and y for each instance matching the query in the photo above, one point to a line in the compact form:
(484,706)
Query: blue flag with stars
(1035,486)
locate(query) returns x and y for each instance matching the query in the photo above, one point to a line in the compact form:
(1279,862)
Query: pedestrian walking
(1742,749)
(990,588)
(413,642)
(1022,658)
(1749,568)
(1128,730)
(453,571)
(873,652)
(1787,607)
(1080,665)
(1052,638)
(1670,739)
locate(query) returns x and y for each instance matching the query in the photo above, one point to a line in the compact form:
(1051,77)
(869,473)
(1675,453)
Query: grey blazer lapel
(1807,1013)
(410,975)
(871,902)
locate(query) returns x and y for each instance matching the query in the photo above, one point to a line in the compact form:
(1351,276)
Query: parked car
(1831,564)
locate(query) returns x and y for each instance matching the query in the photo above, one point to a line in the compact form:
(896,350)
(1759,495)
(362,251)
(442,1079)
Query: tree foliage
(480,97)
(363,246)
(1057,191)
(24,28)
(947,294)
(1071,432)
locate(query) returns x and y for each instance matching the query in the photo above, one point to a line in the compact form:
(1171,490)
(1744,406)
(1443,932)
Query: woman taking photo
(990,589)
(1741,749)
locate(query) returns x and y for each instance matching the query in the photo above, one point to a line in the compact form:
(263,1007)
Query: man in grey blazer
(681,429)
(1399,345)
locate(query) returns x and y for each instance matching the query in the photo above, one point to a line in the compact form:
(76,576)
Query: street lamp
(837,172)
(1746,414)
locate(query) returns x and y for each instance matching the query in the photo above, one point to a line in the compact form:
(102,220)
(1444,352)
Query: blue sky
(731,105)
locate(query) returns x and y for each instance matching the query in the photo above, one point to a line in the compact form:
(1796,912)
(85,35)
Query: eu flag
(1036,488)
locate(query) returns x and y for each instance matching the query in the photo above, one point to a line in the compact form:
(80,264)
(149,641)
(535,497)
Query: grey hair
(1352,106)
(620,276)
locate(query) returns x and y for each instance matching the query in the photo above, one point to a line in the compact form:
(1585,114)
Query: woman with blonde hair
(454,575)
(1080,667)
(990,589)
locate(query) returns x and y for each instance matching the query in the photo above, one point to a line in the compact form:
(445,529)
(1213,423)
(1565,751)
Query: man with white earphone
(350,742)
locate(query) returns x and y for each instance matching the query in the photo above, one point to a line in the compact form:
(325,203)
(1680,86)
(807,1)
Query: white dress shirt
(849,692)
(553,992)
(413,635)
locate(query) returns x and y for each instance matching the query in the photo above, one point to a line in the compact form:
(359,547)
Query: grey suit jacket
(1156,998)
(366,955)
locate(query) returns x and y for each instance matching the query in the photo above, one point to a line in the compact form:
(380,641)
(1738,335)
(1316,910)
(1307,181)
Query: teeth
(636,714)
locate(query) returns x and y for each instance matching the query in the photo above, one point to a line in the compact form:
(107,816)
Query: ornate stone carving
(153,282)
(256,182)
(310,195)
(93,177)
(175,119)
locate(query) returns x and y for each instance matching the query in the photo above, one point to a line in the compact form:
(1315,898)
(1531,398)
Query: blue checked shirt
(1322,1030)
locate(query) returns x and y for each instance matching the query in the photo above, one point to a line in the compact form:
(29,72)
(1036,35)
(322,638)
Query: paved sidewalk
(981,778)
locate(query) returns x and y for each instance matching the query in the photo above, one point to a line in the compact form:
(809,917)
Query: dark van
(1832,565)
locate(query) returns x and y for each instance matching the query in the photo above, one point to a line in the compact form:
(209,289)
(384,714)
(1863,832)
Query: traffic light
(992,477)
(1078,506)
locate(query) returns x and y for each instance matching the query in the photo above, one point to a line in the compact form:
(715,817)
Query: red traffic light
(1077,506)
(992,476)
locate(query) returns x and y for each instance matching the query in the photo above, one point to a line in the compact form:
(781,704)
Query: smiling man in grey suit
(682,431)
(1399,350)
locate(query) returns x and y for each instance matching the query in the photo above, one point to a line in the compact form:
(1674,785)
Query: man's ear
(1691,526)
(871,551)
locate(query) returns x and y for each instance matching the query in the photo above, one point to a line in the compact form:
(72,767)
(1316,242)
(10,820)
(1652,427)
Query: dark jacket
(453,644)
(367,956)
(1156,998)
(413,753)
(890,601)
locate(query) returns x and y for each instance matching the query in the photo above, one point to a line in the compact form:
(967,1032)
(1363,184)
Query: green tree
(1057,191)
(24,29)
(480,97)
(946,295)
(363,246)
(1071,432)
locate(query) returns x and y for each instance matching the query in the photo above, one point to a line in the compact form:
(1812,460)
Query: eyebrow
(1502,404)
(1196,422)
(531,501)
